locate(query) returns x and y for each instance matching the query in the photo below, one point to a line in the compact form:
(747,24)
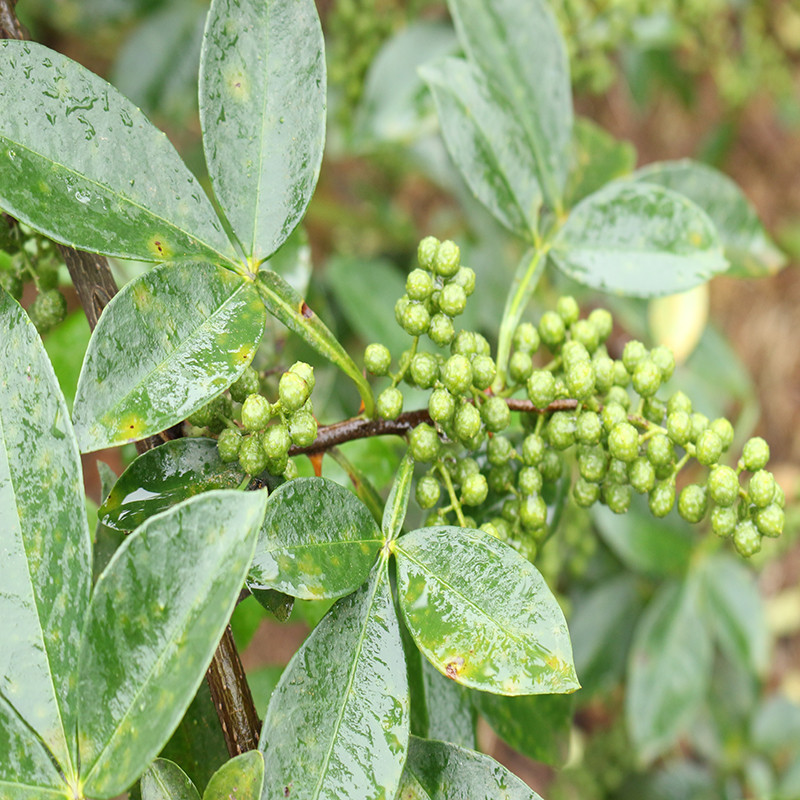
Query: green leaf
(241,778)
(536,726)
(84,166)
(262,110)
(450,714)
(669,670)
(155,619)
(44,540)
(487,141)
(597,159)
(337,724)
(638,239)
(733,611)
(362,485)
(643,543)
(27,771)
(747,246)
(481,613)
(520,48)
(164,476)
(278,604)
(442,771)
(165,780)
(317,540)
(601,630)
(169,342)
(394,513)
(286,305)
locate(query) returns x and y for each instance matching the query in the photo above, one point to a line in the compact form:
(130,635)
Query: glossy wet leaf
(45,570)
(669,670)
(164,476)
(597,159)
(317,540)
(80,163)
(451,717)
(155,619)
(165,780)
(278,604)
(442,771)
(286,305)
(733,611)
(168,343)
(538,726)
(601,629)
(26,768)
(262,109)
(482,613)
(487,141)
(638,239)
(394,513)
(519,47)
(747,245)
(646,544)
(241,778)
(337,724)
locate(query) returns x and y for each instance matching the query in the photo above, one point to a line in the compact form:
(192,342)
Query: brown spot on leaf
(453,668)
(305,310)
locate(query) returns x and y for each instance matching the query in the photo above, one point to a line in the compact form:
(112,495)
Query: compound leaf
(337,724)
(166,475)
(262,109)
(638,239)
(443,771)
(165,780)
(318,540)
(520,48)
(44,541)
(156,616)
(487,142)
(747,246)
(241,778)
(165,345)
(482,613)
(80,163)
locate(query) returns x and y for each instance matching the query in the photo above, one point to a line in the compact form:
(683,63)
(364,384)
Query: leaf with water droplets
(394,512)
(337,724)
(155,618)
(165,780)
(167,344)
(166,475)
(241,778)
(80,163)
(262,110)
(45,569)
(638,239)
(482,613)
(318,540)
(442,771)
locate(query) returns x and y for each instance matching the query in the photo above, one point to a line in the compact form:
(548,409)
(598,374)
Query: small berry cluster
(606,411)
(256,432)
(24,255)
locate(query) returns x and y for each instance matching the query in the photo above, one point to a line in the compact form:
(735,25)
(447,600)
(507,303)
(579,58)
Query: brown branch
(95,286)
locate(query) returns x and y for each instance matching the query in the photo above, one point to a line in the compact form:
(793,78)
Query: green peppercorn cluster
(602,415)
(27,256)
(257,433)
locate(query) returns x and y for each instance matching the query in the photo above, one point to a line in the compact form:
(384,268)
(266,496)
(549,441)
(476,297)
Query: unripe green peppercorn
(659,450)
(463,468)
(723,486)
(441,331)
(633,354)
(529,480)
(603,373)
(612,415)
(453,300)
(692,503)
(616,394)
(247,383)
(679,402)
(541,388)
(293,392)
(426,251)
(474,490)
(416,319)
(617,471)
(510,510)
(303,429)
(278,465)
(427,491)
(526,338)
(255,413)
(482,347)
(464,344)
(642,475)
(447,259)
(699,424)
(499,450)
(202,417)
(501,478)
(252,457)
(592,464)
(585,493)
(48,310)
(551,329)
(761,488)
(654,410)
(532,449)
(662,498)
(400,308)
(424,370)
(419,284)
(755,454)
(483,371)
(589,429)
(551,466)
(276,442)
(664,359)
(306,372)
(520,367)
(457,374)
(377,359)
(770,520)
(586,334)
(532,511)
(441,405)
(646,378)
(616,496)
(424,443)
(561,430)
(466,422)
(621,375)
(12,284)
(495,414)
(291,472)
(567,308)
(465,278)
(580,380)
(228,445)
(603,323)
(723,428)
(390,403)
(679,427)
(491,529)
(746,539)
(708,448)
(723,521)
